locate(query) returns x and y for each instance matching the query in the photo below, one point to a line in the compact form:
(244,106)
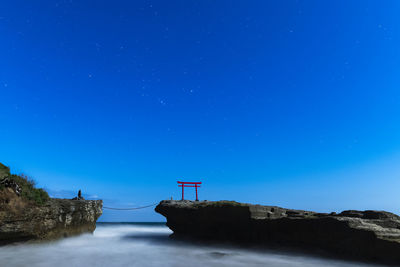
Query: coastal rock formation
(21,220)
(368,235)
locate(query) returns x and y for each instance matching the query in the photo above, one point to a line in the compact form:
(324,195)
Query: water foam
(120,245)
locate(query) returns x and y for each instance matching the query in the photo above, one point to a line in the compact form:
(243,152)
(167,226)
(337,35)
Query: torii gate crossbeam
(189,184)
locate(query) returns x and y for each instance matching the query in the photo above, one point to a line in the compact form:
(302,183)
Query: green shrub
(40,196)
(29,191)
(4,171)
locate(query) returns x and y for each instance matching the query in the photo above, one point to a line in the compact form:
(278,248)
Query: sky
(287,103)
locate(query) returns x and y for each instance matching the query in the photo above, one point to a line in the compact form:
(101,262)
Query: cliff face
(21,220)
(368,235)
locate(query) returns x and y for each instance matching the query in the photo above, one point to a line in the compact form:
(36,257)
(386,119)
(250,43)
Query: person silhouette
(79,197)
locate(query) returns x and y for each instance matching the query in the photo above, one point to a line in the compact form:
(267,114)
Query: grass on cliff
(29,191)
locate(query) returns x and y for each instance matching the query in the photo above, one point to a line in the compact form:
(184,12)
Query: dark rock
(217,254)
(22,221)
(366,235)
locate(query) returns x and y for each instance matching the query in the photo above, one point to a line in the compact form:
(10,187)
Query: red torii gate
(189,184)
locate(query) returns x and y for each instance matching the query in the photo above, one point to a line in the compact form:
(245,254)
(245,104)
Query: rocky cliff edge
(21,220)
(368,235)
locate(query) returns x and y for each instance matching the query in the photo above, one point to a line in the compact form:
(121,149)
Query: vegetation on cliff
(26,184)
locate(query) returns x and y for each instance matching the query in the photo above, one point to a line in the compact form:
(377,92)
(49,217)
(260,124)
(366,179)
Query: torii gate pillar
(189,184)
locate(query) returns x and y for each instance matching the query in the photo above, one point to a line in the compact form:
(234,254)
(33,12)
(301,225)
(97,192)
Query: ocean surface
(147,244)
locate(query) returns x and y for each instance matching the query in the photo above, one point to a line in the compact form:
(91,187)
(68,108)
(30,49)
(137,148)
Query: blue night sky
(288,103)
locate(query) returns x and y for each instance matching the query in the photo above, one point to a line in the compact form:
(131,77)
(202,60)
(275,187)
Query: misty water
(147,245)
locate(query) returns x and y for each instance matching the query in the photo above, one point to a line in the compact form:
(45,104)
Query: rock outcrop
(22,221)
(368,235)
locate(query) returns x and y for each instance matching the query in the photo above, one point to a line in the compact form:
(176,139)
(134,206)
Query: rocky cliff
(21,220)
(368,235)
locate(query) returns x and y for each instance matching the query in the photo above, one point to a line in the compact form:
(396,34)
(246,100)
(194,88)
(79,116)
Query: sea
(148,244)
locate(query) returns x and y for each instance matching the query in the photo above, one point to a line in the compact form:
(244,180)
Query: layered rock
(21,220)
(369,235)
